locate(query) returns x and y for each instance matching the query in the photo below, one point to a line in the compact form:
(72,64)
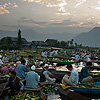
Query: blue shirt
(84,73)
(20,71)
(77,57)
(32,80)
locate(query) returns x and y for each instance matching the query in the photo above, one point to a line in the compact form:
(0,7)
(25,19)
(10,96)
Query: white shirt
(5,59)
(74,77)
(48,79)
(1,63)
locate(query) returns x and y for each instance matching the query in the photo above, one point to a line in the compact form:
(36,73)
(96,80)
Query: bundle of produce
(48,88)
(90,85)
(97,73)
(26,96)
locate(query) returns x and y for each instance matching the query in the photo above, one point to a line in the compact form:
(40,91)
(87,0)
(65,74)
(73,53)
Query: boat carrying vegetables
(88,85)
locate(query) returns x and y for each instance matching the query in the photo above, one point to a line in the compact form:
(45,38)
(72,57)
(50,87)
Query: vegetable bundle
(48,88)
(26,96)
(88,85)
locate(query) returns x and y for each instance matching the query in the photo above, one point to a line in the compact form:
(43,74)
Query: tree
(63,44)
(76,44)
(19,41)
(8,41)
(71,42)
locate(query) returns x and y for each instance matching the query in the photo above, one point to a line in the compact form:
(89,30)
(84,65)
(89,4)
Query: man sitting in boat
(30,61)
(21,69)
(84,74)
(44,77)
(71,80)
(5,59)
(15,83)
(1,63)
(32,79)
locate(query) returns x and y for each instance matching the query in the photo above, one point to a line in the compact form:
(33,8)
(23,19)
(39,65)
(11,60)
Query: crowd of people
(24,74)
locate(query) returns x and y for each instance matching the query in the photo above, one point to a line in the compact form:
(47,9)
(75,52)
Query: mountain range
(91,38)
(31,35)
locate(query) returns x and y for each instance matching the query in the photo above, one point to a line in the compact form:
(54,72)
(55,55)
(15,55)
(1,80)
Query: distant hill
(91,38)
(31,35)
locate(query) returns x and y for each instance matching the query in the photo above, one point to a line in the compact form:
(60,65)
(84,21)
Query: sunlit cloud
(4,7)
(98,8)
(91,18)
(80,2)
(15,6)
(60,4)
(62,14)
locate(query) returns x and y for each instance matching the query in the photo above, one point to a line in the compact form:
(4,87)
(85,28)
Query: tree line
(6,43)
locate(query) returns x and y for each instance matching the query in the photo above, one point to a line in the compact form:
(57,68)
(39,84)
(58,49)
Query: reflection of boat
(93,93)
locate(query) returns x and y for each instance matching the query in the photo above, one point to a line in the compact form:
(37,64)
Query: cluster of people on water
(25,75)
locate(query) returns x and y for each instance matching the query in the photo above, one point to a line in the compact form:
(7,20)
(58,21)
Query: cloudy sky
(50,15)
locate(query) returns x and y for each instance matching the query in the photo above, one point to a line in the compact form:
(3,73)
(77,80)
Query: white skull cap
(46,65)
(33,67)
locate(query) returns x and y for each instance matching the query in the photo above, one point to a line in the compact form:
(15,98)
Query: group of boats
(70,93)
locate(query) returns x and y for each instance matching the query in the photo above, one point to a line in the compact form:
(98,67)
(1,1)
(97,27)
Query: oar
(57,78)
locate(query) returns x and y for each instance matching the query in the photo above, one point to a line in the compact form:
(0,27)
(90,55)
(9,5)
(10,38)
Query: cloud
(5,5)
(80,2)
(65,23)
(59,4)
(98,8)
(27,20)
(3,9)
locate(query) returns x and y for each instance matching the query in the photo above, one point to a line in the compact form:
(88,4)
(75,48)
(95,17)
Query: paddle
(57,78)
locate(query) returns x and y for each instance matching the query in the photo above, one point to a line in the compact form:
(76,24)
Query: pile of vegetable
(26,96)
(88,85)
(97,73)
(48,88)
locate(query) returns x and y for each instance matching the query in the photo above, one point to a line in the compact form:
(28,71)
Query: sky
(73,16)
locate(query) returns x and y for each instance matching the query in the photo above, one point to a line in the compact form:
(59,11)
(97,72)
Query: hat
(33,67)
(46,65)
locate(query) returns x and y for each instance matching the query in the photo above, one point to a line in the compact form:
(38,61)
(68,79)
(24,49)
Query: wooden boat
(90,93)
(95,67)
(56,73)
(70,95)
(62,57)
(66,63)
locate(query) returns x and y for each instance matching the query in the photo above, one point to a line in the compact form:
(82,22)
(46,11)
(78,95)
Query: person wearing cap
(1,63)
(30,61)
(85,76)
(21,69)
(45,75)
(5,59)
(15,83)
(71,80)
(32,79)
